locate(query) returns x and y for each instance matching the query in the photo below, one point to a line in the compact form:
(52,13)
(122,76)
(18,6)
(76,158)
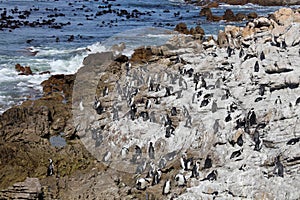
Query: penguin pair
(186,163)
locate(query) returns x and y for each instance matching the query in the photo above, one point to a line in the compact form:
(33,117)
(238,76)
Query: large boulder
(285,16)
(292,36)
(229,15)
(182,28)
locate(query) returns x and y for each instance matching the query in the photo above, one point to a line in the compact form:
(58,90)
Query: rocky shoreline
(247,68)
(215,3)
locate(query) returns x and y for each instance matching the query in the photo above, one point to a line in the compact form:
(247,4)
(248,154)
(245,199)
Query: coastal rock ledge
(224,122)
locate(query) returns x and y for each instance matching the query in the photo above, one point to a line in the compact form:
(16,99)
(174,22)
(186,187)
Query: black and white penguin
(186,163)
(133,111)
(166,187)
(229,51)
(157,100)
(105,91)
(236,154)
(251,117)
(211,176)
(106,156)
(188,122)
(157,88)
(151,151)
(214,106)
(207,162)
(278,170)
(195,170)
(152,117)
(258,142)
(190,72)
(141,166)
(278,100)
(50,170)
(99,140)
(151,86)
(240,140)
(162,163)
(204,102)
(262,90)
(242,53)
(262,56)
(216,126)
(180,180)
(173,111)
(97,106)
(169,131)
(127,67)
(148,104)
(203,83)
(228,118)
(115,111)
(144,115)
(293,141)
(168,121)
(137,155)
(142,183)
(168,92)
(124,152)
(179,94)
(297,101)
(256,67)
(156,177)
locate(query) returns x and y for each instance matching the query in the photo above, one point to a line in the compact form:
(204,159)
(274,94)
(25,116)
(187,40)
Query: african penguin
(208,162)
(50,170)
(278,170)
(211,176)
(142,183)
(166,187)
(151,151)
(236,154)
(180,180)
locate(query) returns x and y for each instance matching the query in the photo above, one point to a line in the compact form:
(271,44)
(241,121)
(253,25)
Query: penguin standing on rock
(142,183)
(236,154)
(256,67)
(195,170)
(211,176)
(151,151)
(97,106)
(180,180)
(278,170)
(208,162)
(166,187)
(50,170)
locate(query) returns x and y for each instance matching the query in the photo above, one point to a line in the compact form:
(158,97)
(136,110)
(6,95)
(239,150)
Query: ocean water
(96,25)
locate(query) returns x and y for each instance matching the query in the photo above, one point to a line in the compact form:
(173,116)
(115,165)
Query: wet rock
(182,28)
(252,15)
(23,70)
(229,15)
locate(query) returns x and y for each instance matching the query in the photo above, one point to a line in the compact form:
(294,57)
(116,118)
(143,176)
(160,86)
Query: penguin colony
(239,115)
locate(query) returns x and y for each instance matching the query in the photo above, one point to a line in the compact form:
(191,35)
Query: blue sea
(86,24)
